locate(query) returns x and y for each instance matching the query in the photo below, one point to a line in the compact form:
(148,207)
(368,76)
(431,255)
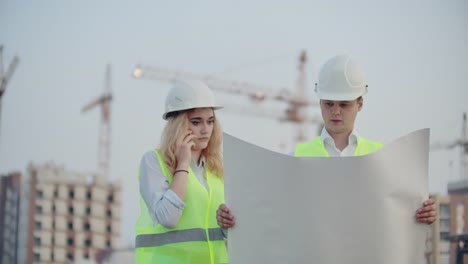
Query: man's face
(339,116)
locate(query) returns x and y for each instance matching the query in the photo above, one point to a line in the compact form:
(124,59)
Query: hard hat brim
(339,97)
(165,115)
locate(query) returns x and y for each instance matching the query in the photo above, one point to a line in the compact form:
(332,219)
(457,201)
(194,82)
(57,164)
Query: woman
(181,183)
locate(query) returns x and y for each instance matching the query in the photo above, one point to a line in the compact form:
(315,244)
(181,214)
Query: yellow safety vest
(315,148)
(197,238)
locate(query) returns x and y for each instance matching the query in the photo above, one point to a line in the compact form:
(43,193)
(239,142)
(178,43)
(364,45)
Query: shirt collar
(327,139)
(202,162)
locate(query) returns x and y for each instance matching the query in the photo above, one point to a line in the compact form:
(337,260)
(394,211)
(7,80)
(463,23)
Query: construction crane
(104,101)
(296,111)
(462,143)
(6,76)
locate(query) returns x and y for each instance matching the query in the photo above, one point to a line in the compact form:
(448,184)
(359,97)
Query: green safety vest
(197,238)
(315,148)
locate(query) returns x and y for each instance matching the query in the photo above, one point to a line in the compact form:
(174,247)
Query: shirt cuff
(172,197)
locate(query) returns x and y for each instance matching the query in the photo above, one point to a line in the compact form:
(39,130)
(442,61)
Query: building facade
(72,216)
(10,190)
(438,240)
(458,192)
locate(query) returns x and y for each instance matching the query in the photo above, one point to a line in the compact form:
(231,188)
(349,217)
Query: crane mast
(104,101)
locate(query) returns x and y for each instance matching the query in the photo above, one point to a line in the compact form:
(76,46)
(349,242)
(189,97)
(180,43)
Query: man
(340,87)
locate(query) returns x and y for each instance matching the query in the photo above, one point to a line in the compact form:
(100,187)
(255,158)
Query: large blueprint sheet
(352,210)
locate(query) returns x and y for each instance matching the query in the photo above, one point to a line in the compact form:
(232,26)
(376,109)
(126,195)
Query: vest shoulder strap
(313,148)
(366,146)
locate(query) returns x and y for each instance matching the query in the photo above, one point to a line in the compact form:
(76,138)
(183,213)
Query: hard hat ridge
(341,79)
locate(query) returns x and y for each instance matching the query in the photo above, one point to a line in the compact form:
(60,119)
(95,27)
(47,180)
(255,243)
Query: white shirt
(331,148)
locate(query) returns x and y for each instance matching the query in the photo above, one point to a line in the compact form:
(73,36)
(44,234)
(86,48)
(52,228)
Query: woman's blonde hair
(176,126)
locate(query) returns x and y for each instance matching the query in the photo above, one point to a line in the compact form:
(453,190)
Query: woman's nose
(203,128)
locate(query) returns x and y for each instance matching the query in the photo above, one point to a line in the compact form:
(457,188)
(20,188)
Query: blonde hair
(175,127)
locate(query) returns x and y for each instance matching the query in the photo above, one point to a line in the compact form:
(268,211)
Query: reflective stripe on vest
(196,238)
(315,148)
(196,234)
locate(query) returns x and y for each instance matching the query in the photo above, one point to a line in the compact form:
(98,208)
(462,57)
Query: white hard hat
(341,79)
(189,94)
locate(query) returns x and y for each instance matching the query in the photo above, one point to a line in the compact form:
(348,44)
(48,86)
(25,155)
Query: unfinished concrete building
(9,217)
(72,216)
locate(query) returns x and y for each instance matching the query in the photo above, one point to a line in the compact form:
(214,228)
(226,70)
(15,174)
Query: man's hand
(224,217)
(427,213)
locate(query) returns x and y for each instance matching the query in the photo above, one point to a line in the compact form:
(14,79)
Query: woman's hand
(224,217)
(183,151)
(427,213)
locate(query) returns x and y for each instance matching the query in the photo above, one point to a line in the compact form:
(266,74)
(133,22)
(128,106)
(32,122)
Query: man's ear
(360,102)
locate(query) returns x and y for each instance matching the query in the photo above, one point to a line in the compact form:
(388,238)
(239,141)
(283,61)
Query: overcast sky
(415,54)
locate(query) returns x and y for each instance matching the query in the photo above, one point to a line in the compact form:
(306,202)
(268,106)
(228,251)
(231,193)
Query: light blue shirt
(164,205)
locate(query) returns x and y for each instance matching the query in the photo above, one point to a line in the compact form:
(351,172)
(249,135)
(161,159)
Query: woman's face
(201,123)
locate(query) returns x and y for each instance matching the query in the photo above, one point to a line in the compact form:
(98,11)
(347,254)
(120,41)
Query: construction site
(51,215)
(82,89)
